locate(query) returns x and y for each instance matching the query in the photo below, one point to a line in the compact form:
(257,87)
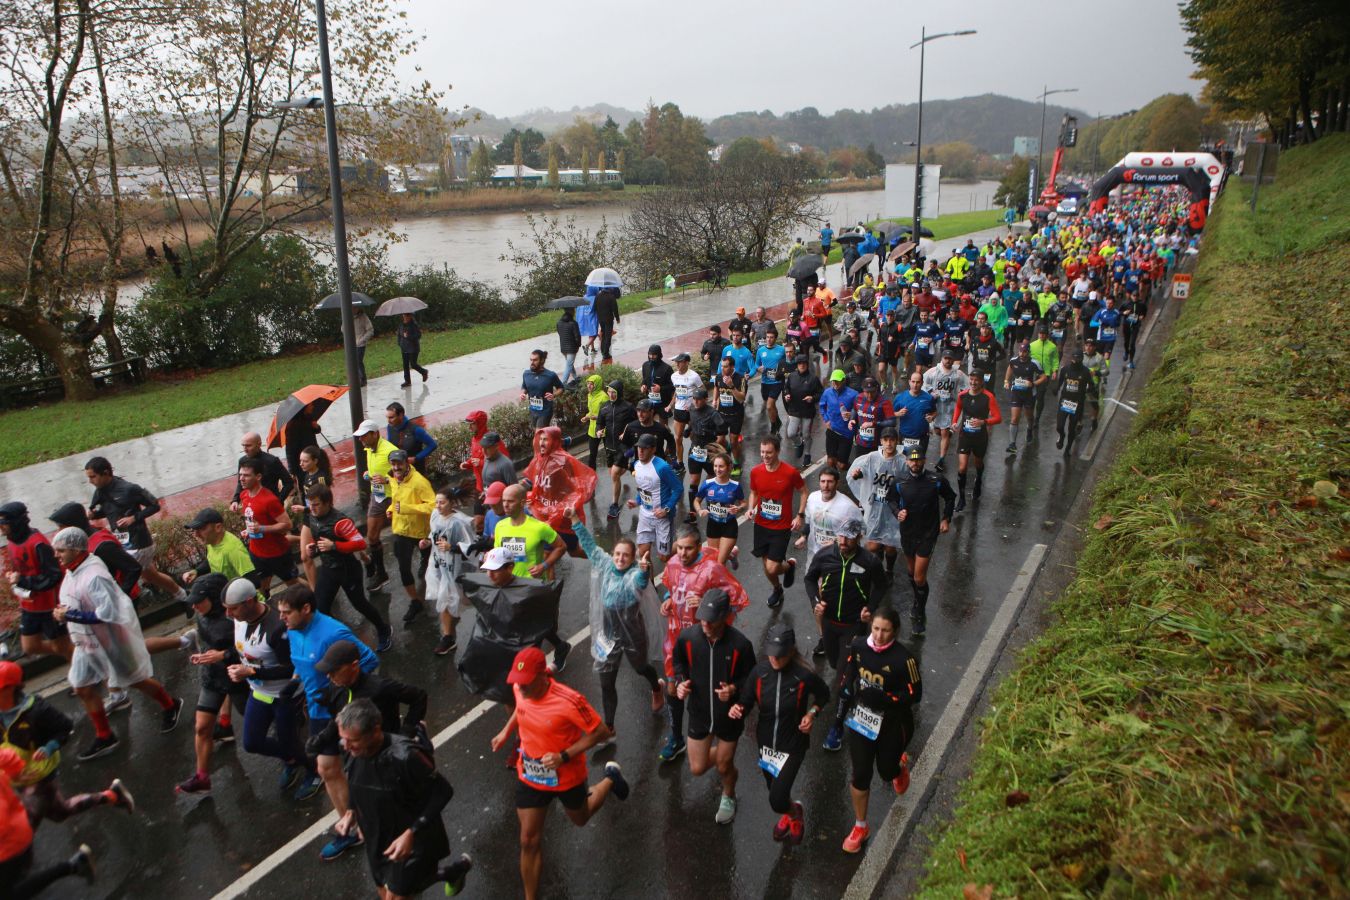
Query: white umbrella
(399,305)
(604,278)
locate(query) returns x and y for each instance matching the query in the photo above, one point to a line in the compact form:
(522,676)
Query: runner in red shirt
(772,484)
(557,726)
(266,527)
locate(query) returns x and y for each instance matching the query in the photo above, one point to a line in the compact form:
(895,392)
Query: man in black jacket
(347,684)
(923,502)
(125,508)
(606,308)
(801,392)
(398,798)
(656,380)
(611,421)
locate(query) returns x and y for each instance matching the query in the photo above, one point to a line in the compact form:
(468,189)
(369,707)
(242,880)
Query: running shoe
(613,512)
(82,863)
(414,610)
(115,701)
(339,845)
(960,501)
(1012,449)
(797,824)
(454,874)
(619,783)
(222,734)
(101,746)
(780,829)
(806,461)
(726,810)
(377,580)
(446,645)
(168,719)
(384,638)
(775,599)
(920,625)
(1059,444)
(791,575)
(691,518)
(290,777)
(195,783)
(901,781)
(856,838)
(941,466)
(560,657)
(834,739)
(672,750)
(735,469)
(819,649)
(310,786)
(121,796)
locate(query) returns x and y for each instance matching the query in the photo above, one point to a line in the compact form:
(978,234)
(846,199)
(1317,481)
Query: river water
(473,243)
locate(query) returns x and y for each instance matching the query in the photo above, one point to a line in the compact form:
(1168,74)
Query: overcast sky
(721,56)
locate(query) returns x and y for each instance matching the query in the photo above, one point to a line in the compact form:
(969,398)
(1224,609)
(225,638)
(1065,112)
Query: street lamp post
(344,277)
(1040,143)
(924,38)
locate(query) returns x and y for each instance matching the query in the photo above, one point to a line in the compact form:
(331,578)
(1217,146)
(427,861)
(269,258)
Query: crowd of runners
(972,345)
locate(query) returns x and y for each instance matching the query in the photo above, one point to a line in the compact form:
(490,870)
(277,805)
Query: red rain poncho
(559,481)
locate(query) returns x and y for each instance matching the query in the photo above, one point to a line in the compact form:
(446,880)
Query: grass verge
(1181,728)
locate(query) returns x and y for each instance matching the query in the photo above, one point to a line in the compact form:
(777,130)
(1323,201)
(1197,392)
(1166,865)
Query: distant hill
(989,122)
(547,120)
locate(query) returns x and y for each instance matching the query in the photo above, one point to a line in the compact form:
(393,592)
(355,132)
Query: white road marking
(900,819)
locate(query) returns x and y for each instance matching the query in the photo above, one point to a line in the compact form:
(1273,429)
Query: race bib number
(771,510)
(378,492)
(942,394)
(973,428)
(725,400)
(535,772)
(909,442)
(772,761)
(654,395)
(1026,317)
(924,343)
(516,547)
(698,454)
(879,494)
(1021,384)
(865,721)
(719,512)
(867,432)
(815,332)
(683,392)
(123,538)
(648,498)
(1133,320)
(1057,334)
(1069,406)
(1107,334)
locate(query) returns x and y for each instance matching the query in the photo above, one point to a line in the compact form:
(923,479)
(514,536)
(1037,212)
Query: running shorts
(771,542)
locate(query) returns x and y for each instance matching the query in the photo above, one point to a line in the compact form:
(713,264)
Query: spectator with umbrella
(409,333)
(364,328)
(569,341)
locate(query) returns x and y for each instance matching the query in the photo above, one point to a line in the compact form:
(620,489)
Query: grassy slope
(60,429)
(1182,727)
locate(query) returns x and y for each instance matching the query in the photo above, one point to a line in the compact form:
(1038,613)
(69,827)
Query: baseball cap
(489,439)
(647,441)
(497,558)
(398,456)
(850,528)
(700,393)
(949,353)
(914,452)
(870,384)
(681,357)
(207,587)
(714,607)
(11,674)
(781,640)
(802,360)
(528,665)
(241,590)
(367,426)
(492,495)
(339,654)
(649,405)
(208,516)
(837,375)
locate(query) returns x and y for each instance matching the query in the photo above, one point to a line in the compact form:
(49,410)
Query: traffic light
(1068,132)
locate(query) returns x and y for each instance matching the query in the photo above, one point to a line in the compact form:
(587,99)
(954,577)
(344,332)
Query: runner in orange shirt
(827,301)
(557,726)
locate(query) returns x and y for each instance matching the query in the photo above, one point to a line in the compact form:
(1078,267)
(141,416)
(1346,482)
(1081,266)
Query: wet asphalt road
(662,842)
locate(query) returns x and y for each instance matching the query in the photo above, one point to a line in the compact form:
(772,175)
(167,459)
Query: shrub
(510,420)
(572,405)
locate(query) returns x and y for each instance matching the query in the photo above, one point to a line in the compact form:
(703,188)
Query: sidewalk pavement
(194,466)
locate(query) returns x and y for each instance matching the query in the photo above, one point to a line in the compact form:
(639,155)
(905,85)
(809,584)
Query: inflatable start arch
(1200,173)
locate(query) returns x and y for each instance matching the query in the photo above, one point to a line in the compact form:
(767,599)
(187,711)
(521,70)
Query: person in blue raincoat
(588,321)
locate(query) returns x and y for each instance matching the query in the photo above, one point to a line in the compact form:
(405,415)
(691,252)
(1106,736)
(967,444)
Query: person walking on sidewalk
(569,343)
(365,330)
(410,345)
(106,632)
(125,508)
(606,307)
(34,575)
(412,500)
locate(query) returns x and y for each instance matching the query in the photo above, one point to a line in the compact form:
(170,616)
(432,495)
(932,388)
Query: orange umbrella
(316,397)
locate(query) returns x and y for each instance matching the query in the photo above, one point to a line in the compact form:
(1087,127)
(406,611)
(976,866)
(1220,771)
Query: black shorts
(681,415)
(614,458)
(530,797)
(43,623)
(212,696)
(723,728)
(976,442)
(771,391)
(837,636)
(727,529)
(695,467)
(282,566)
(411,876)
(734,423)
(1018,399)
(918,544)
(569,539)
(838,446)
(771,542)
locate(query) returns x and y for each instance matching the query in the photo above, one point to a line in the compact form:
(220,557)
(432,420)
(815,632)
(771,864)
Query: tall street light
(344,277)
(924,38)
(1040,144)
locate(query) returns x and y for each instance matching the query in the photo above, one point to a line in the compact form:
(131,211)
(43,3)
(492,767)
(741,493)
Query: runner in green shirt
(225,552)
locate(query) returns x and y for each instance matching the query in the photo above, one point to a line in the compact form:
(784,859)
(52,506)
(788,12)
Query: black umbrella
(891,229)
(805,266)
(924,231)
(568,303)
(850,237)
(333,301)
(862,263)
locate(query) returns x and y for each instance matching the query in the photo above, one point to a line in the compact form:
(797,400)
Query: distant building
(506,175)
(794,148)
(1026,147)
(461,148)
(715,154)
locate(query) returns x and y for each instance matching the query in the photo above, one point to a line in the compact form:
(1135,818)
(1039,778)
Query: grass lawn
(1182,728)
(60,429)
